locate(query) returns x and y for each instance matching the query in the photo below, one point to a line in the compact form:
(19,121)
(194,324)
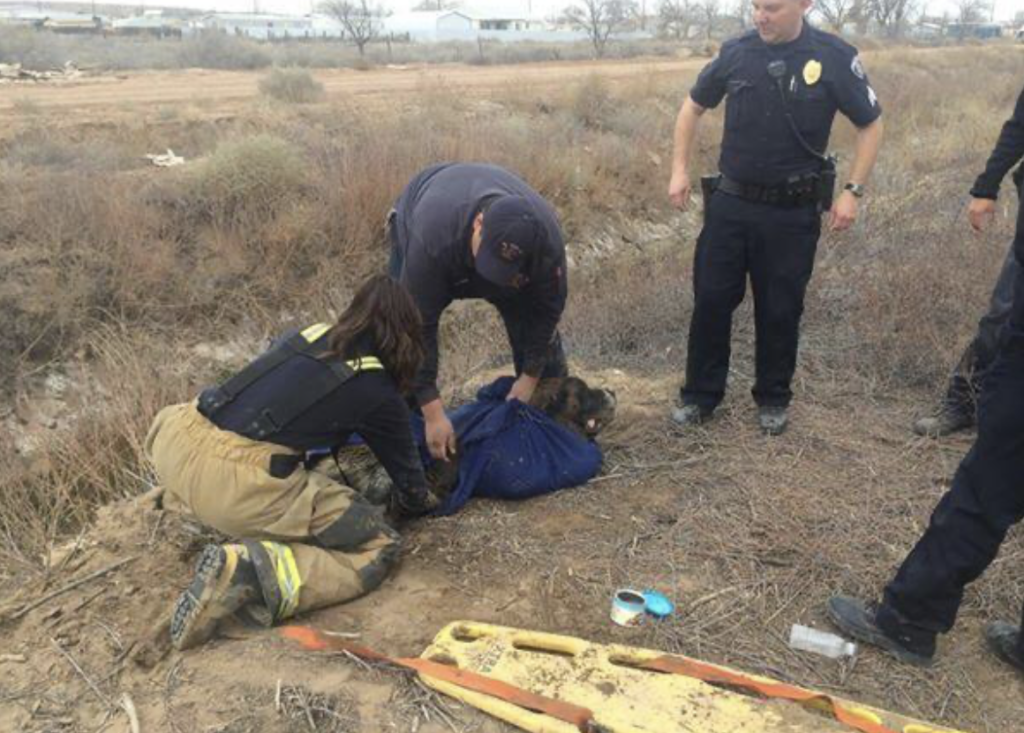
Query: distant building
(151,23)
(58,21)
(974,30)
(503,17)
(268,27)
(430,25)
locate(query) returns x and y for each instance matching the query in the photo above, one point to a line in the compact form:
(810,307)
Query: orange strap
(778,690)
(315,640)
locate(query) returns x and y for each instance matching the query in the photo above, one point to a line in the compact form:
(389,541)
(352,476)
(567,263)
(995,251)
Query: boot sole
(878,640)
(207,600)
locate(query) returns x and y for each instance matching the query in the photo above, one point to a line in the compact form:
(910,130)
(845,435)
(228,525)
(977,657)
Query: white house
(431,25)
(261,26)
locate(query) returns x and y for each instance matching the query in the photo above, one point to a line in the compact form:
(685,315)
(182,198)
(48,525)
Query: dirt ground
(747,535)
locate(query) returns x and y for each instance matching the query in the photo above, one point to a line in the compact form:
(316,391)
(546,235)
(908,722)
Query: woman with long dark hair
(235,460)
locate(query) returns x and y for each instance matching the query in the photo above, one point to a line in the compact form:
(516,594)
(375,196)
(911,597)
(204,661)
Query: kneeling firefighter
(234,459)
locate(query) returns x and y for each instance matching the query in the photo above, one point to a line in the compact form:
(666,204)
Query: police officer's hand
(844,212)
(980,213)
(523,388)
(441,439)
(679,189)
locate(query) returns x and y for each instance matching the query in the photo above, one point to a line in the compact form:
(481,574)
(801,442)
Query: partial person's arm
(869,140)
(546,303)
(428,286)
(679,187)
(1007,153)
(387,431)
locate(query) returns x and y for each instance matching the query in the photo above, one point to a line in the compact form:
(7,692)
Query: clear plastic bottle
(820,642)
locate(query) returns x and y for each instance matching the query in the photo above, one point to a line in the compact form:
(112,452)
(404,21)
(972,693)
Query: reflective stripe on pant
(342,547)
(972,519)
(775,247)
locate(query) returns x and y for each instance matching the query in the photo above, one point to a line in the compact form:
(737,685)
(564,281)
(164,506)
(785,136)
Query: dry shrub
(251,177)
(296,86)
(592,101)
(215,50)
(99,457)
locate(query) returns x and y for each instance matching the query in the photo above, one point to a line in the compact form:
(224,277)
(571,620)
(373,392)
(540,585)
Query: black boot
(858,619)
(950,418)
(1004,640)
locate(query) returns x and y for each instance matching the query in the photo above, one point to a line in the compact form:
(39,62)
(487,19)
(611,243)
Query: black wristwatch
(856,189)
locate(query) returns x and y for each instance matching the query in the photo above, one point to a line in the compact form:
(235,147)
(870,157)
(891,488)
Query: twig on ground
(71,586)
(129,710)
(88,680)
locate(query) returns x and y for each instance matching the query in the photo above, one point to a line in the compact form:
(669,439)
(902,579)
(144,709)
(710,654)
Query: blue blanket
(509,450)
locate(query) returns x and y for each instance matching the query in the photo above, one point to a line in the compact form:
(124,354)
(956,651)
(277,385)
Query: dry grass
(123,271)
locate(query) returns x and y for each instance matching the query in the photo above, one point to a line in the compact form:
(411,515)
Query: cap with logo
(511,236)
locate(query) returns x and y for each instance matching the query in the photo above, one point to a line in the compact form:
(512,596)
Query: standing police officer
(985,500)
(469,230)
(783,84)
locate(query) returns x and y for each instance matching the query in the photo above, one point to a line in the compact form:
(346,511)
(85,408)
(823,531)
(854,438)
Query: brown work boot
(224,581)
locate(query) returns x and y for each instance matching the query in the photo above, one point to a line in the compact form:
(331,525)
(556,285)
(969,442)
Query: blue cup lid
(657,604)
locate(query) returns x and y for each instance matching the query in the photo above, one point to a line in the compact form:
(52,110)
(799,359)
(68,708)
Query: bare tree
(599,19)
(744,13)
(837,13)
(709,12)
(891,15)
(361,20)
(675,18)
(970,11)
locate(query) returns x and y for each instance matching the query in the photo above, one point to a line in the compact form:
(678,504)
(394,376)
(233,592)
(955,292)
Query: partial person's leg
(966,529)
(719,284)
(782,260)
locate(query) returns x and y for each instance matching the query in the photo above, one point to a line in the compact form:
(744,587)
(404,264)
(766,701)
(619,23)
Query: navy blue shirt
(433,227)
(823,75)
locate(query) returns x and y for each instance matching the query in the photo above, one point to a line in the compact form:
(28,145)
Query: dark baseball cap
(511,235)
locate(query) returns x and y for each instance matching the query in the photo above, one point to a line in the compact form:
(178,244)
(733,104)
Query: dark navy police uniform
(987,496)
(755,229)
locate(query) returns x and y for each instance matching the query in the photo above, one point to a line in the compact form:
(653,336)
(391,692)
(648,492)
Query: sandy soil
(198,86)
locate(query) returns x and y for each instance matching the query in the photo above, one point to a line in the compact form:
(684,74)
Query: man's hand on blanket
(523,388)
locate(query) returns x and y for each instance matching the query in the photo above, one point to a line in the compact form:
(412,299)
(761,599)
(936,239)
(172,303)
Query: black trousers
(775,247)
(969,373)
(972,519)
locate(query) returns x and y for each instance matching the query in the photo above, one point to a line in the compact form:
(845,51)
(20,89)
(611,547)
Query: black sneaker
(689,415)
(1004,640)
(856,618)
(772,420)
(224,581)
(950,418)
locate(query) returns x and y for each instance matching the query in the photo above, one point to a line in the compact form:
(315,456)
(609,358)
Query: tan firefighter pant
(341,545)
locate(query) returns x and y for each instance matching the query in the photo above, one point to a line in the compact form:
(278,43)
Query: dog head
(573,403)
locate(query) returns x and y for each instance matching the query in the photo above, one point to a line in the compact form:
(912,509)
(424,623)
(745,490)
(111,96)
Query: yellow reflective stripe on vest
(365,364)
(315,331)
(288,580)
